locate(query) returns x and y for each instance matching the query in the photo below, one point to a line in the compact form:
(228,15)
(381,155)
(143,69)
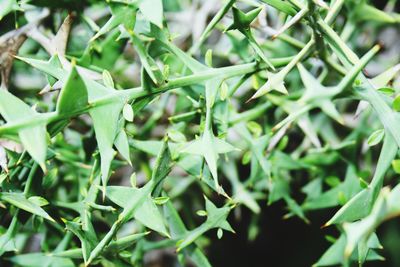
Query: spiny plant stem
(30,178)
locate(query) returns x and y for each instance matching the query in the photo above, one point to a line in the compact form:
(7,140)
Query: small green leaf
(246,157)
(376,137)
(332,181)
(161,200)
(363,183)
(127,112)
(224,91)
(387,90)
(107,79)
(255,128)
(133,180)
(396,103)
(283,143)
(220,233)
(396,165)
(201,213)
(208,57)
(165,72)
(125,254)
(342,198)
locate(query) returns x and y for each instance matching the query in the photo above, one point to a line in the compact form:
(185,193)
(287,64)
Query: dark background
(290,242)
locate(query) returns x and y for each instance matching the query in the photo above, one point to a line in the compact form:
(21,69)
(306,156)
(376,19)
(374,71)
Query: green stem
(292,117)
(253,43)
(104,242)
(201,77)
(303,52)
(333,11)
(290,40)
(121,243)
(30,178)
(250,114)
(353,73)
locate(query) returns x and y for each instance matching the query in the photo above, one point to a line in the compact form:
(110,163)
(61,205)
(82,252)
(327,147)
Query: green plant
(119,90)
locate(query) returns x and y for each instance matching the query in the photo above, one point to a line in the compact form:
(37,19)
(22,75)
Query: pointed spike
(252,15)
(291,22)
(43,167)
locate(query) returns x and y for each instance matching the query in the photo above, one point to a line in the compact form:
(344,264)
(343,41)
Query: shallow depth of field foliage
(135,128)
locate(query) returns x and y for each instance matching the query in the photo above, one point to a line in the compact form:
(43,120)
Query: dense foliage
(135,126)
